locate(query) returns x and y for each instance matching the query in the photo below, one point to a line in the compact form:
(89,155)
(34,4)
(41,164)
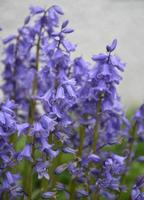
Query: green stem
(95,194)
(5,196)
(130,147)
(82,135)
(53,177)
(55,162)
(79,154)
(96,128)
(128,160)
(31,116)
(72,190)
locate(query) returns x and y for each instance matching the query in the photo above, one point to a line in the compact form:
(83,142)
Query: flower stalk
(96,127)
(31,116)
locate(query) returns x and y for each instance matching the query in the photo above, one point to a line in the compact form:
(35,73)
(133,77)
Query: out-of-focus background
(96,23)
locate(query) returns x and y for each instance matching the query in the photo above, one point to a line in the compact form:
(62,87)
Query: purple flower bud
(36,10)
(60,186)
(94,171)
(69,150)
(70,91)
(9,39)
(60,93)
(10,178)
(64,24)
(82,193)
(99,57)
(27,19)
(140,159)
(61,169)
(49,195)
(67,30)
(8,108)
(2,118)
(58,9)
(93,158)
(111,47)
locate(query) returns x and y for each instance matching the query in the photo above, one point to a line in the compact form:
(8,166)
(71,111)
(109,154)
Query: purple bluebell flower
(10,186)
(136,193)
(48,123)
(22,128)
(25,153)
(138,119)
(41,169)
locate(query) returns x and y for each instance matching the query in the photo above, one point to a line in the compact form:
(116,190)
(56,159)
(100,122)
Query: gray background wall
(96,22)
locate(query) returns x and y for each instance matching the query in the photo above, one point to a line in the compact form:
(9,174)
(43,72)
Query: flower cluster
(62,117)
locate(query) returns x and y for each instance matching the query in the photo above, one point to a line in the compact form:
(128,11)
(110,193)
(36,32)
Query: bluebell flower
(41,169)
(136,193)
(25,153)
